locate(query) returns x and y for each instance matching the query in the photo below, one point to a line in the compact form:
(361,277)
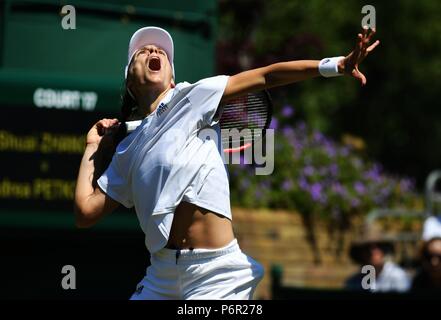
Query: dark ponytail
(106,150)
(129,112)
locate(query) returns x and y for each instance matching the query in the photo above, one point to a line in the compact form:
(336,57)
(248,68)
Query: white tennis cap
(432,228)
(151,35)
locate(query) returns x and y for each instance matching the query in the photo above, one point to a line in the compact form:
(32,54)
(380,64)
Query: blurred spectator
(376,250)
(428,276)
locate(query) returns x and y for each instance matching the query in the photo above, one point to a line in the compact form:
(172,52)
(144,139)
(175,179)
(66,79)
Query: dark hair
(103,158)
(425,248)
(128,106)
(357,251)
(129,112)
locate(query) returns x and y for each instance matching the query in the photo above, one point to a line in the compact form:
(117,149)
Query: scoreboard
(55,83)
(40,152)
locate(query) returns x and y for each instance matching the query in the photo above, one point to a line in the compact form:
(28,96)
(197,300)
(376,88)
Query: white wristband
(328,67)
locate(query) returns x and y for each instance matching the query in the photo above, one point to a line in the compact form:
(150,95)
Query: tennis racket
(250,115)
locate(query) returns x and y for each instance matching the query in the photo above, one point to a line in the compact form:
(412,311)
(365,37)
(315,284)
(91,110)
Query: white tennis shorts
(224,273)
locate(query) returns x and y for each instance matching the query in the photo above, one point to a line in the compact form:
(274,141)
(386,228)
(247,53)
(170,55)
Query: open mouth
(154,64)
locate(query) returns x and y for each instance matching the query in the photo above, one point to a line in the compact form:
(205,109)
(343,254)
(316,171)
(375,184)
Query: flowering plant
(314,174)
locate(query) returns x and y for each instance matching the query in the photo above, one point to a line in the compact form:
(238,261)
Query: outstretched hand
(349,65)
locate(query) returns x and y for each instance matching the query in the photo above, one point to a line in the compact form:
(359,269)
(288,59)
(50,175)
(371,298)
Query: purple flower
(374,174)
(288,132)
(355,202)
(242,161)
(337,188)
(287,111)
(319,137)
(316,191)
(333,169)
(330,150)
(244,184)
(301,126)
(265,185)
(360,188)
(258,194)
(303,184)
(406,185)
(274,124)
(298,146)
(308,170)
(287,185)
(234,173)
(385,192)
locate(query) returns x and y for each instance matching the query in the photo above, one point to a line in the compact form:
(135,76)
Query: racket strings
(249,113)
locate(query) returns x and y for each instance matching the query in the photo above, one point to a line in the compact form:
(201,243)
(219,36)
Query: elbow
(83,218)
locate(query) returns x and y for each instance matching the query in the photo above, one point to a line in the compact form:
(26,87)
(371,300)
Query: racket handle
(129,127)
(132,125)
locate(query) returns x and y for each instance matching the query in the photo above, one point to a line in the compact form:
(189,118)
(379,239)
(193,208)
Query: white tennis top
(166,160)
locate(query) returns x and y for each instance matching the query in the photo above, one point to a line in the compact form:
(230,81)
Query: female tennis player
(176,180)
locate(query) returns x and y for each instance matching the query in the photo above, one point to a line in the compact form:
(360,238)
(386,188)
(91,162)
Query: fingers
(359,76)
(365,32)
(359,41)
(361,50)
(364,40)
(371,34)
(107,123)
(104,125)
(373,46)
(358,51)
(364,46)
(368,33)
(363,79)
(368,37)
(365,36)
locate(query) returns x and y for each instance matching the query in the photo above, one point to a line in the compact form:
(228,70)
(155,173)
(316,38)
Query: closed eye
(141,51)
(145,50)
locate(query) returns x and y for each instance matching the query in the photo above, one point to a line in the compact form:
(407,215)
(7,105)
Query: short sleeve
(114,183)
(205,98)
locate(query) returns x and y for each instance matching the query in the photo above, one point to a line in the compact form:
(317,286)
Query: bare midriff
(195,227)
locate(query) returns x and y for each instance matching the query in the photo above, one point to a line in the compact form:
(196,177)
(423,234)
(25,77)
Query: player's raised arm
(283,73)
(90,202)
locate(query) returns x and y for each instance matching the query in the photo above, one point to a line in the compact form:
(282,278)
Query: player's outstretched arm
(91,203)
(283,73)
